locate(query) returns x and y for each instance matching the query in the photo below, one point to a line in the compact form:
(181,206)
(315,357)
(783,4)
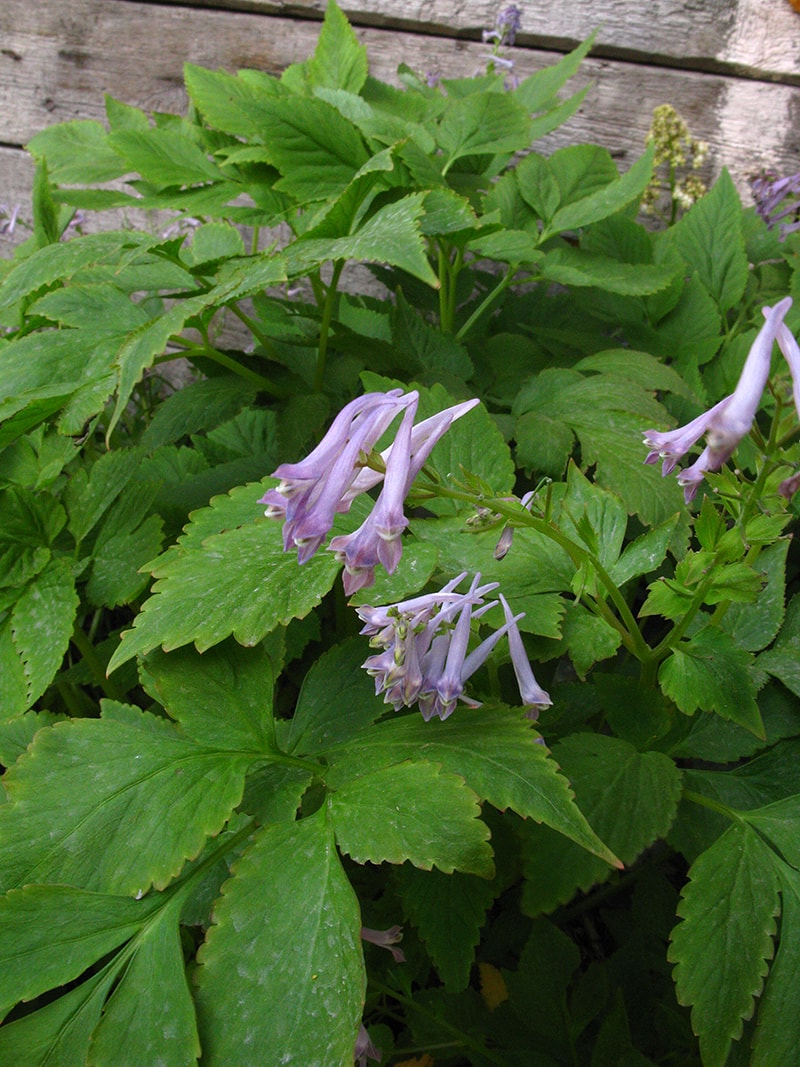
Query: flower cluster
(726,423)
(777,200)
(326,482)
(425,657)
(675,148)
(506,27)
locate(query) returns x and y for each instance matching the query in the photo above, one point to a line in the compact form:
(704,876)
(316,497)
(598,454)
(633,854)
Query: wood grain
(58,60)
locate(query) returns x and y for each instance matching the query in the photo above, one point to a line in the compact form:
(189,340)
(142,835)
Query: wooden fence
(731,67)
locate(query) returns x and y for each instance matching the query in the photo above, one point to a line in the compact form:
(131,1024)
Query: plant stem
(325,325)
(207,351)
(92,661)
(487,301)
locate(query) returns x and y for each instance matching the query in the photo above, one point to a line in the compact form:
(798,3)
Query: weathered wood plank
(760,38)
(56,62)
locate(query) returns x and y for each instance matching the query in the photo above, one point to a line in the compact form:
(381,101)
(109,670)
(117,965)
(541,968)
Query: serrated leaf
(482,123)
(755,625)
(433,352)
(572,266)
(711,240)
(411,811)
(722,946)
(287,925)
(222,699)
(77,152)
(227,102)
(114,804)
(448,910)
(41,623)
(316,149)
(17,733)
(391,236)
(50,934)
(31,522)
(145,1021)
(115,576)
(779,823)
(339,60)
(647,552)
(228,575)
(504,765)
(326,716)
(604,201)
(777,1034)
(630,799)
(537,90)
(712,673)
(163,156)
(589,638)
(58,1034)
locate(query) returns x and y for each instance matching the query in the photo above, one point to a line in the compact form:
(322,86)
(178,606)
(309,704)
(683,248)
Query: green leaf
(41,624)
(537,91)
(605,201)
(391,236)
(711,240)
(115,576)
(228,575)
(426,349)
(538,186)
(324,717)
(164,156)
(630,799)
(779,823)
(411,811)
(482,123)
(88,496)
(77,152)
(31,522)
(449,911)
(317,151)
(222,699)
(46,225)
(589,638)
(287,926)
(647,552)
(339,61)
(147,1021)
(504,765)
(722,946)
(572,266)
(777,1034)
(712,673)
(50,934)
(17,733)
(225,101)
(58,1034)
(114,804)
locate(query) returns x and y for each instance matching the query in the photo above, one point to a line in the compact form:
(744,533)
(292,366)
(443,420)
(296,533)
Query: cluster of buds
(425,658)
(312,492)
(726,423)
(675,149)
(777,201)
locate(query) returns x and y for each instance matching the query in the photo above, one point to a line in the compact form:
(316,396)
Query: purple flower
(386,939)
(328,480)
(533,696)
(770,194)
(425,658)
(364,1049)
(726,423)
(377,540)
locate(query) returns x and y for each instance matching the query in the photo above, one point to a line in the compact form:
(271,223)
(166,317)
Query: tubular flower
(312,492)
(424,642)
(777,199)
(386,939)
(726,423)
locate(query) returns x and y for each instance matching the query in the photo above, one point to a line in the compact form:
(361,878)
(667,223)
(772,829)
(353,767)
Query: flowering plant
(331,607)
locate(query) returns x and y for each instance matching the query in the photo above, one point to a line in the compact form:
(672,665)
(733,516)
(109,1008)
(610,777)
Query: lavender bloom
(771,192)
(8,220)
(364,1049)
(386,939)
(425,658)
(313,491)
(533,696)
(791,352)
(726,423)
(506,25)
(377,540)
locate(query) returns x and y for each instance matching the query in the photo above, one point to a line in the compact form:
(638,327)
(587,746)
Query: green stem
(626,623)
(712,805)
(679,629)
(93,662)
(207,351)
(487,301)
(464,1039)
(261,337)
(325,325)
